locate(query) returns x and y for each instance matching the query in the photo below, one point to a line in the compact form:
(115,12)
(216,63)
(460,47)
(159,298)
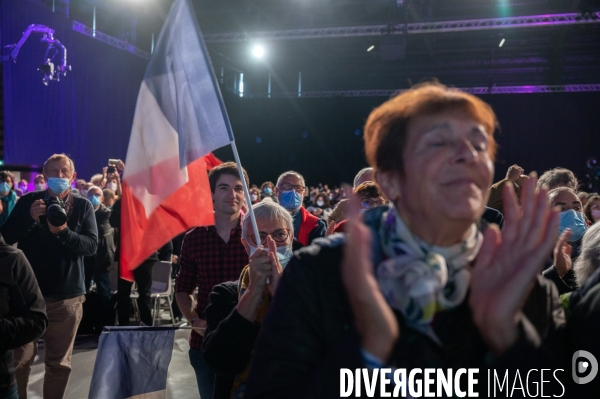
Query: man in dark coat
(22,312)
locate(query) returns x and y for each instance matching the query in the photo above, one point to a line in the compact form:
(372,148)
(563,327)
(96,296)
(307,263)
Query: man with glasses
(237,308)
(209,256)
(290,192)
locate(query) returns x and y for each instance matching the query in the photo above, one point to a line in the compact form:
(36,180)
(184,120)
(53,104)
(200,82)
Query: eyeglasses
(371,202)
(289,187)
(279,235)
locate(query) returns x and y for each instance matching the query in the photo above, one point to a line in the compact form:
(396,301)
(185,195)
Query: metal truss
(113,41)
(413,28)
(576,88)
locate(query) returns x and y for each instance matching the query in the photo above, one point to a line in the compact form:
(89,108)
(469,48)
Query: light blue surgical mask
(95,200)
(58,185)
(574,221)
(284,254)
(290,200)
(4,187)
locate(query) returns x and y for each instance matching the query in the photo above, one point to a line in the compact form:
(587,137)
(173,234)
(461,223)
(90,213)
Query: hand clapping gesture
(508,262)
(374,318)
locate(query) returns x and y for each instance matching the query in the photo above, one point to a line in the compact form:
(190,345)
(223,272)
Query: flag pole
(246,194)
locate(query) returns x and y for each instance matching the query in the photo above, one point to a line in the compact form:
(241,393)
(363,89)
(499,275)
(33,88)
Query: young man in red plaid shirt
(211,255)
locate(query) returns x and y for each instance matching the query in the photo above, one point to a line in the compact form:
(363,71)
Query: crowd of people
(424,262)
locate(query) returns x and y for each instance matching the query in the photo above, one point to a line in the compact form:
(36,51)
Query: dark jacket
(307,227)
(229,337)
(56,259)
(309,332)
(22,309)
(105,255)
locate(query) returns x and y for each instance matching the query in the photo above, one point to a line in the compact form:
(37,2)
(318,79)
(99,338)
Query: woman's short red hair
(386,130)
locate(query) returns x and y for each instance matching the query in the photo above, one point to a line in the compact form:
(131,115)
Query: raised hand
(373,317)
(508,262)
(260,270)
(276,268)
(514,172)
(562,253)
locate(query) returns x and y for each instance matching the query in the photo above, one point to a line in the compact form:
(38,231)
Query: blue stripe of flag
(181,61)
(131,361)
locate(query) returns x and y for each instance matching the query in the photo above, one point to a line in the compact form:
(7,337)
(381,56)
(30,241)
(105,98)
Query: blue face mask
(290,200)
(95,200)
(58,185)
(574,221)
(284,254)
(268,190)
(4,187)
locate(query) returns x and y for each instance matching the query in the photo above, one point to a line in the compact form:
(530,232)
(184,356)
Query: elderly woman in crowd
(237,308)
(416,284)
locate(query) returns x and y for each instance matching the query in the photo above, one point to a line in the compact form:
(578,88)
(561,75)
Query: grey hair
(558,177)
(290,173)
(589,259)
(269,211)
(58,157)
(360,174)
(99,188)
(555,191)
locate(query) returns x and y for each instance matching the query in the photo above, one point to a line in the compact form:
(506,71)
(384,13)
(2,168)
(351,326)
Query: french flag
(179,119)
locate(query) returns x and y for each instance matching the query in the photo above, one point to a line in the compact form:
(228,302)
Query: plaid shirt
(205,261)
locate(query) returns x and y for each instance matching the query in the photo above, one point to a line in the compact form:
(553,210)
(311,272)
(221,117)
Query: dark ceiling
(548,55)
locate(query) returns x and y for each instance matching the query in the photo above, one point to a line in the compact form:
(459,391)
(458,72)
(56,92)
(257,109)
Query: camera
(55,211)
(110,169)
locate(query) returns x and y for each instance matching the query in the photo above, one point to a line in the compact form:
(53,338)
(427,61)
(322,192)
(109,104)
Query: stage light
(258,51)
(370,48)
(502,42)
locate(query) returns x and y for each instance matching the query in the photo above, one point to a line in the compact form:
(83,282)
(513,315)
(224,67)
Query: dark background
(88,114)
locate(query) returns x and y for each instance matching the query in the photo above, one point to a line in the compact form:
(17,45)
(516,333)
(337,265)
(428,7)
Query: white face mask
(112,186)
(320,203)
(596,214)
(40,186)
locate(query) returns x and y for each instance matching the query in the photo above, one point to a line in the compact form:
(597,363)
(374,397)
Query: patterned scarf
(419,279)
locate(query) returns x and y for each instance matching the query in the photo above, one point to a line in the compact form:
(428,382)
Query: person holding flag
(179,120)
(211,255)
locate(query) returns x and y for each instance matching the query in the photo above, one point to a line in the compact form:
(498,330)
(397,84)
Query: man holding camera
(55,229)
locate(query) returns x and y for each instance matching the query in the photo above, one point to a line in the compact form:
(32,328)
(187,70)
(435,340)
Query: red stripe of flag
(189,206)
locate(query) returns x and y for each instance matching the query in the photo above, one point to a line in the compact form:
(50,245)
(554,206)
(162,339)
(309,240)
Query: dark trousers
(102,284)
(143,277)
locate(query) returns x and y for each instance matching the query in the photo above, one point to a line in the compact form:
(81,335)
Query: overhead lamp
(258,51)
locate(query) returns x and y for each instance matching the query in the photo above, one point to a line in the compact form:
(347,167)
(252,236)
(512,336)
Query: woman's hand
(260,269)
(276,268)
(374,319)
(509,262)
